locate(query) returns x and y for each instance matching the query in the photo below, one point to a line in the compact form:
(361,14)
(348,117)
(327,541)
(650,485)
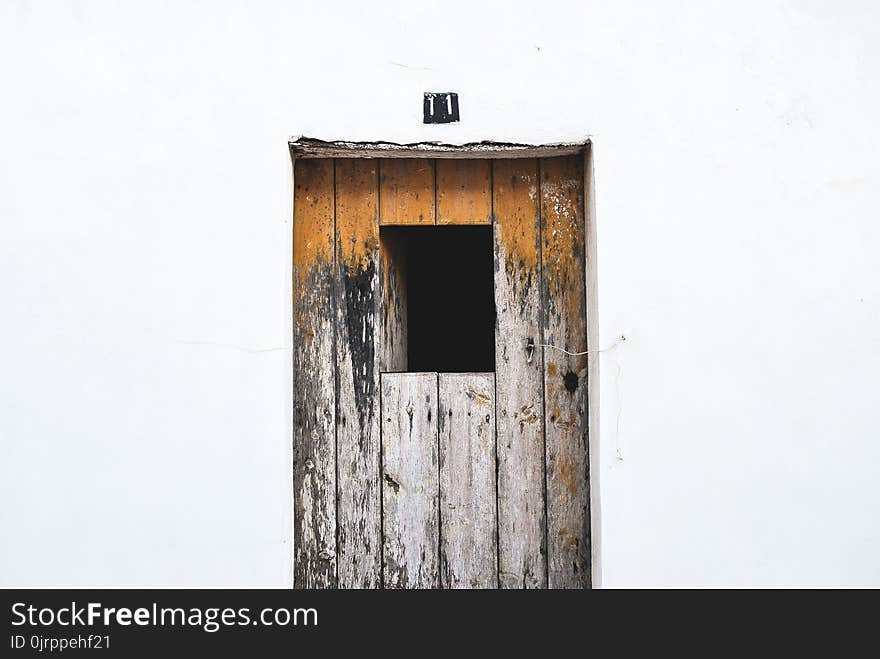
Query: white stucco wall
(145,247)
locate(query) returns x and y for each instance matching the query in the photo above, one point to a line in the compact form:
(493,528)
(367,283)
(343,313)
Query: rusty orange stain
(566,474)
(562,212)
(463,192)
(479,398)
(312,229)
(406,191)
(527,414)
(313,212)
(568,541)
(515,199)
(357,191)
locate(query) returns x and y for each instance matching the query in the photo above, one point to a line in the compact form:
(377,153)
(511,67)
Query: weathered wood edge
(309,147)
(592,293)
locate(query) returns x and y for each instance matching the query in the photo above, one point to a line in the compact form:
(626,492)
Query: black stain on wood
(393,484)
(571,382)
(359,292)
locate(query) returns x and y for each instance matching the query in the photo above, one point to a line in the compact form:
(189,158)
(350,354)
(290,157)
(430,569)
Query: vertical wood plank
(314,398)
(359,553)
(392,346)
(468,547)
(406,193)
(410,491)
(519,375)
(565,376)
(464,193)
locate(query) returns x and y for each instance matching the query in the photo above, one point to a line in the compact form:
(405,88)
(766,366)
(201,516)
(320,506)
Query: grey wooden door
(438,468)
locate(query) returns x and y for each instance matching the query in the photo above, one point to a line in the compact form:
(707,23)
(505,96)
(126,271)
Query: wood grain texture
(314,399)
(393,327)
(565,377)
(468,546)
(410,488)
(359,554)
(464,194)
(406,192)
(519,376)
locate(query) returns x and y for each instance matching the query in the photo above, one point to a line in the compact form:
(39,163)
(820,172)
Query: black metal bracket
(441,107)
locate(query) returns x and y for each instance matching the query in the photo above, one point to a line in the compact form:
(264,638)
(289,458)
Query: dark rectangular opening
(447,272)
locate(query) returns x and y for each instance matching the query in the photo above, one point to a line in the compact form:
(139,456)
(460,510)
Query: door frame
(307,147)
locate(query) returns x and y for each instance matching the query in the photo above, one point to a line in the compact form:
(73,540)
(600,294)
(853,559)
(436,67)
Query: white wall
(145,246)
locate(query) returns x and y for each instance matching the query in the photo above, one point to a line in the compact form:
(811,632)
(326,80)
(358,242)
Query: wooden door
(439,480)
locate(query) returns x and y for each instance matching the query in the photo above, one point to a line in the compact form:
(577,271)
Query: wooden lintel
(308,147)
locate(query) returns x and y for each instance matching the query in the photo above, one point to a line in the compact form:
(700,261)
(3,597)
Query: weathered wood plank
(464,194)
(565,376)
(410,491)
(392,347)
(519,376)
(406,192)
(468,547)
(309,147)
(314,399)
(359,553)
